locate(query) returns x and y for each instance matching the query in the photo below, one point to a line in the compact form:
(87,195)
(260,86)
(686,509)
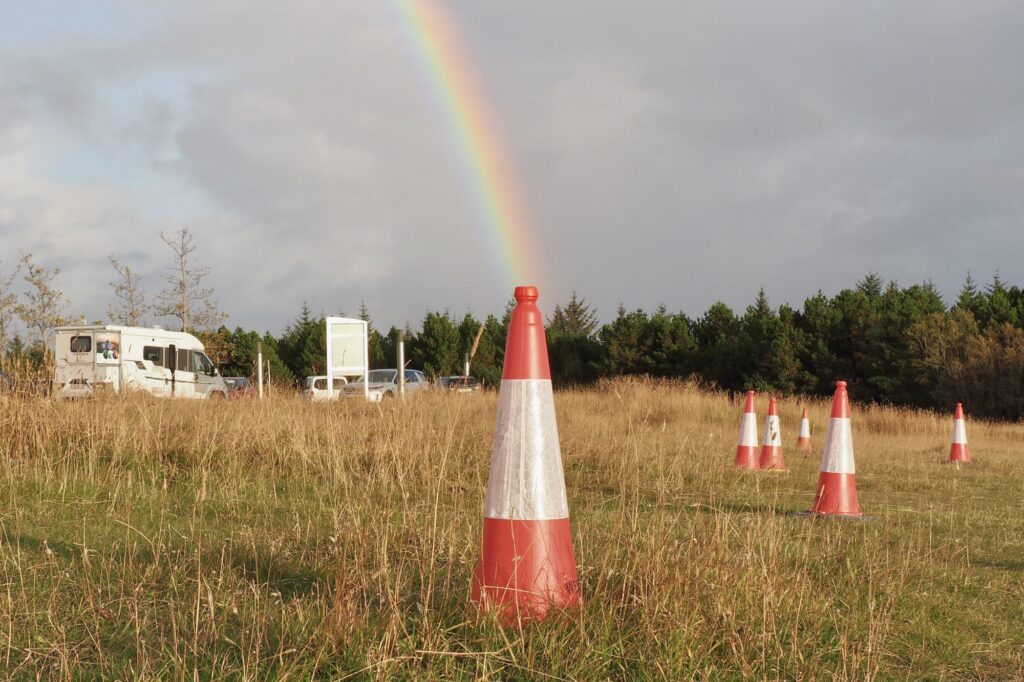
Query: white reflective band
(526,480)
(805,428)
(838,455)
(959,431)
(771,432)
(748,430)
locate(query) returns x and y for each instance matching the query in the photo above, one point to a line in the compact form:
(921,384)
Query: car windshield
(382,376)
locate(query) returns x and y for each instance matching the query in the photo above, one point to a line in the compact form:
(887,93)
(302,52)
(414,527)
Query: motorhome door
(184,374)
(206,374)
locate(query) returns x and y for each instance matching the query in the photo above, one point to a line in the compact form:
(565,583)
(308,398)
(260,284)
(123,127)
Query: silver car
(383,383)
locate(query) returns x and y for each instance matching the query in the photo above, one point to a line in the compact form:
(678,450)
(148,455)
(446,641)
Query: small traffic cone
(958,450)
(527,564)
(837,482)
(771,448)
(746,448)
(804,441)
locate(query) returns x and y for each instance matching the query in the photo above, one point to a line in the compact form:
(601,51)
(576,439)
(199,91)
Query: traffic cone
(771,448)
(958,450)
(527,564)
(804,441)
(837,483)
(746,448)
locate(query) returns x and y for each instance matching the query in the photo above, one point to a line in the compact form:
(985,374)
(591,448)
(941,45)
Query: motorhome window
(154,354)
(202,364)
(81,344)
(185,363)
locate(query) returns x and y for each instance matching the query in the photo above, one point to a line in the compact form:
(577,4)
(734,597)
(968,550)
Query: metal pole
(466,365)
(400,349)
(259,364)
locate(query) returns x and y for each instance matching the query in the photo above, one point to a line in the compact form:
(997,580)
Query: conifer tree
(968,293)
(579,317)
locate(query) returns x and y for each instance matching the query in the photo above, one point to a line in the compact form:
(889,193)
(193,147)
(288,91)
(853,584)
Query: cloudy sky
(667,152)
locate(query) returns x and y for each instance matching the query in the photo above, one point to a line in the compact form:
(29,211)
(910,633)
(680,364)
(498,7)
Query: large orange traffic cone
(837,483)
(804,441)
(527,564)
(958,450)
(771,448)
(746,447)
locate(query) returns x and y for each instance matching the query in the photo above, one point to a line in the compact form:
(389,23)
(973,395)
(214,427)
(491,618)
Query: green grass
(148,539)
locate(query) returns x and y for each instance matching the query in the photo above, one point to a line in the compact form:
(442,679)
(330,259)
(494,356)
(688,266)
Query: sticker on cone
(837,482)
(771,448)
(527,565)
(746,446)
(804,441)
(958,450)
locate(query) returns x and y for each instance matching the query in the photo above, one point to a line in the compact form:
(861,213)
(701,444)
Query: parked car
(383,383)
(460,384)
(239,387)
(315,388)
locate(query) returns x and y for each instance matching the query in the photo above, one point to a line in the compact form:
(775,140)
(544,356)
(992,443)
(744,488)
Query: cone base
(837,494)
(959,452)
(526,569)
(771,458)
(803,444)
(746,456)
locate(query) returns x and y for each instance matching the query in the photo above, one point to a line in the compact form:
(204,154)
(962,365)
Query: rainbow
(470,124)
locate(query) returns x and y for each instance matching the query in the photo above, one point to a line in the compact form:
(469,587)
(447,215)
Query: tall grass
(169,539)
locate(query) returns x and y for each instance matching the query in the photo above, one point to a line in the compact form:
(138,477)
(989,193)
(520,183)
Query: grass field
(157,539)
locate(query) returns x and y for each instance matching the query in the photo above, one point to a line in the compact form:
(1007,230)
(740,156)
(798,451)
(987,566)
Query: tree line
(892,344)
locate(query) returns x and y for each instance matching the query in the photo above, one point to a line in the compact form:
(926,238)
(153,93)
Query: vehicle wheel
(388,395)
(217,395)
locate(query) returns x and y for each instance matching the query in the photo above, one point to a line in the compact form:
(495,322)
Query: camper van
(95,359)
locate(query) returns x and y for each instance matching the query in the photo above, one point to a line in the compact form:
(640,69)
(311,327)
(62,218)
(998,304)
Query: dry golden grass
(157,539)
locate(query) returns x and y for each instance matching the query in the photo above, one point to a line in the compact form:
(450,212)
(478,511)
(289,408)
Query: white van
(315,388)
(93,359)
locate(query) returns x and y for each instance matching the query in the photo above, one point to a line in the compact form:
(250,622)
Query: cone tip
(805,413)
(526,294)
(840,402)
(751,393)
(959,412)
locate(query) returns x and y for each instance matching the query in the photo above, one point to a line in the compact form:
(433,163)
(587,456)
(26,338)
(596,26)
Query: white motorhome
(92,359)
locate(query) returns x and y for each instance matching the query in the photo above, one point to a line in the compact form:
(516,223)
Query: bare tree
(8,308)
(185,298)
(131,304)
(44,304)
